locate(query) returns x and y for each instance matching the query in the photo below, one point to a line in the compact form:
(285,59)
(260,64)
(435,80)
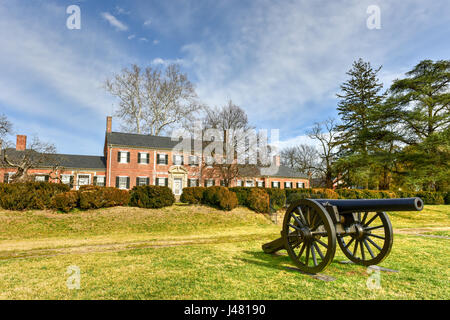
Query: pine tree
(357,107)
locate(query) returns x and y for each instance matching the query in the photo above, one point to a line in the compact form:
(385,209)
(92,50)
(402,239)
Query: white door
(177,186)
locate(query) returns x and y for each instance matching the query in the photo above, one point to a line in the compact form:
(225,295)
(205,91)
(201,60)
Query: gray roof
(140,140)
(282,172)
(68,161)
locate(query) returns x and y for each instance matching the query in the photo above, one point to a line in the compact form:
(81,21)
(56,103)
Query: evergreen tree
(357,107)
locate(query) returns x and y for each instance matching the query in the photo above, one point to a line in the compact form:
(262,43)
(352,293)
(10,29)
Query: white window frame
(158,159)
(104,180)
(288,183)
(196,182)
(147,156)
(158,183)
(249,185)
(302,185)
(10,174)
(260,184)
(40,175)
(277,184)
(238,183)
(126,179)
(209,182)
(121,156)
(145,181)
(178,159)
(84,174)
(193,162)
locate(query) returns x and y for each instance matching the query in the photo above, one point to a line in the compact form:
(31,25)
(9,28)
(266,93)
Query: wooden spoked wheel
(309,236)
(372,241)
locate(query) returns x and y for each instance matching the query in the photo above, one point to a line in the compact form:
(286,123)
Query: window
(67,179)
(249,183)
(209,182)
(143,158)
(260,184)
(41,178)
(193,160)
(178,160)
(84,180)
(288,184)
(142,181)
(123,157)
(162,159)
(275,184)
(162,181)
(193,183)
(209,161)
(7,177)
(300,184)
(99,181)
(239,183)
(123,182)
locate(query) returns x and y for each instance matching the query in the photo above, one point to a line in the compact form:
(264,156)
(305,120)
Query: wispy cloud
(165,62)
(114,22)
(131,36)
(147,22)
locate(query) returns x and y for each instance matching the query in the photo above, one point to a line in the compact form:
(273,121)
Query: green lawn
(195,252)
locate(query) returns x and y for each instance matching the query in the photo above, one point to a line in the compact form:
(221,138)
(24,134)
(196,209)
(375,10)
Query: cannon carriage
(361,228)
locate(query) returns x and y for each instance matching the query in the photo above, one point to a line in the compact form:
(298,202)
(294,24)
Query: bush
(151,197)
(447,198)
(29,195)
(220,197)
(429,197)
(241,194)
(258,200)
(192,195)
(65,201)
(277,198)
(94,197)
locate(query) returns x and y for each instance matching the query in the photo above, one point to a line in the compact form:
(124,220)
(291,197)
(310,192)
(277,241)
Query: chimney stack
(21,142)
(108,124)
(276,159)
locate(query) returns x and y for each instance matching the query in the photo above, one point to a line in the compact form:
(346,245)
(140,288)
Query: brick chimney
(21,142)
(108,124)
(276,160)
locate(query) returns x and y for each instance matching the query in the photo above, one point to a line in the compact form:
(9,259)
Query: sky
(281,61)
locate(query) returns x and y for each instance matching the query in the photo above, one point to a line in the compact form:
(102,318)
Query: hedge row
(254,199)
(45,195)
(29,195)
(219,197)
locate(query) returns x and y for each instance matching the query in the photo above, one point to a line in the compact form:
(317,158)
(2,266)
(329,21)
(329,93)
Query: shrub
(277,198)
(29,195)
(258,200)
(429,197)
(192,195)
(325,193)
(94,197)
(151,197)
(241,194)
(220,197)
(447,198)
(65,201)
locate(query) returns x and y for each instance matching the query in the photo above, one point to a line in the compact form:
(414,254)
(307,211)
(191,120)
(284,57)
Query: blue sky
(282,61)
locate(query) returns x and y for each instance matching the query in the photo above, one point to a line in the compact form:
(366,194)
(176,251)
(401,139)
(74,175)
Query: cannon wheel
(373,240)
(309,236)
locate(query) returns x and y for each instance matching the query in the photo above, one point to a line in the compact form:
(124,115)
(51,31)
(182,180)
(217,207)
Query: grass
(195,252)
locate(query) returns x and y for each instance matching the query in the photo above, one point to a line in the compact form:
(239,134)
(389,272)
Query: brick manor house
(136,159)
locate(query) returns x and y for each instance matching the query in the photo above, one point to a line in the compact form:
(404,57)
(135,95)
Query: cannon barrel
(374,205)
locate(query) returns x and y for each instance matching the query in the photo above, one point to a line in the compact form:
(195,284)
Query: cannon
(361,228)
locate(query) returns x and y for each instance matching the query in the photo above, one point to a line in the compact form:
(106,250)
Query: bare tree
(39,154)
(302,158)
(231,122)
(153,100)
(5,127)
(325,132)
